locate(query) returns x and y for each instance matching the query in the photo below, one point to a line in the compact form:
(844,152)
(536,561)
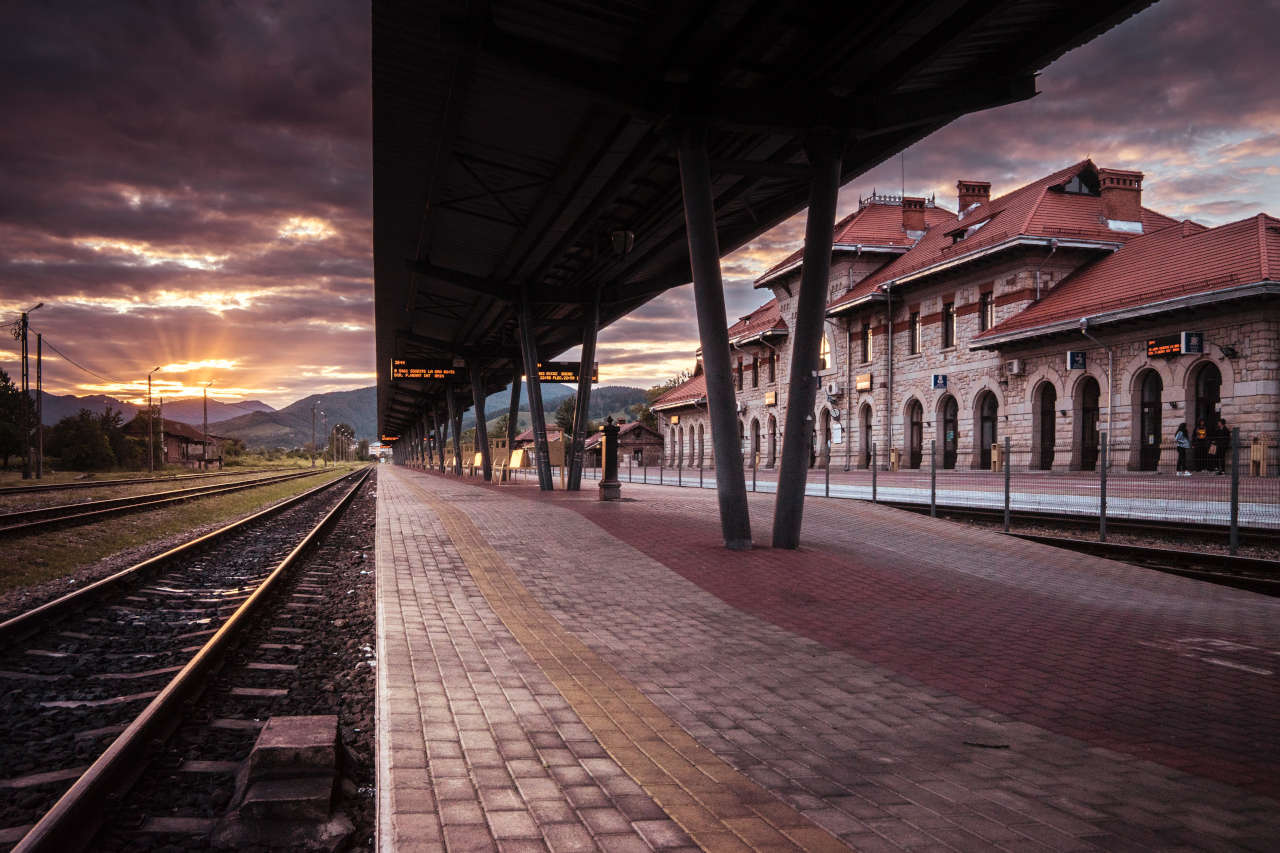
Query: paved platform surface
(557,673)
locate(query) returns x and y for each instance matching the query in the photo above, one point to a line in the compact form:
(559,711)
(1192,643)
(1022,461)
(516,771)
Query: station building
(1052,314)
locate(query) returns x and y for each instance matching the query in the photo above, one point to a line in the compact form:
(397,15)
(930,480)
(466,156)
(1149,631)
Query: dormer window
(961,233)
(1085,183)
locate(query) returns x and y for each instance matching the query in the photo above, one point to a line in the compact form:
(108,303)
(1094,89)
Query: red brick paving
(1118,657)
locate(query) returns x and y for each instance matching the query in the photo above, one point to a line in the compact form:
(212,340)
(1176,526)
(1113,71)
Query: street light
(151,456)
(205,453)
(21,334)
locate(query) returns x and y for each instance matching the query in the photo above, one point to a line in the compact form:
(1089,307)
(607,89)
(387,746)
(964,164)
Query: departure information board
(564,371)
(1180,343)
(420,368)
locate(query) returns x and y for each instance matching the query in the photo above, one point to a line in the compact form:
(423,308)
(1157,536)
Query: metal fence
(1227,488)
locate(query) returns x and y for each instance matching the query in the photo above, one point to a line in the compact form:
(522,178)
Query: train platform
(557,673)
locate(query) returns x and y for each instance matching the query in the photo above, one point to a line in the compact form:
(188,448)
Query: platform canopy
(526,145)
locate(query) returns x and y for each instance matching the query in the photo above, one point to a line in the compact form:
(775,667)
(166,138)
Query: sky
(188,185)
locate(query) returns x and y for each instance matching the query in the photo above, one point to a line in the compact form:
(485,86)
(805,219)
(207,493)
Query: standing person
(1200,444)
(1183,442)
(1221,444)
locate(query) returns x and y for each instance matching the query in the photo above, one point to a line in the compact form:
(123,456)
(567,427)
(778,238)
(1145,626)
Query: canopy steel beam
(582,405)
(529,344)
(482,427)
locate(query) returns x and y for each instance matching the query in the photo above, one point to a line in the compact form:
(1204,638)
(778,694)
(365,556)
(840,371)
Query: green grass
(41,557)
(20,501)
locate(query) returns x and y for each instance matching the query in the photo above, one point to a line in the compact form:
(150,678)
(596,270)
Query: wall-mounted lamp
(1062,412)
(1229,351)
(623,241)
(1173,404)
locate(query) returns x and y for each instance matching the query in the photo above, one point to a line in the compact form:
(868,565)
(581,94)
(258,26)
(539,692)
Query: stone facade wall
(1250,381)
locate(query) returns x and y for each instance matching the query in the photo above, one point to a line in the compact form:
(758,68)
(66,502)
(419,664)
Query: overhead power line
(75,363)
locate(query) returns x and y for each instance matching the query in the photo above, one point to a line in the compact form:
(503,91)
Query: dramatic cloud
(188,184)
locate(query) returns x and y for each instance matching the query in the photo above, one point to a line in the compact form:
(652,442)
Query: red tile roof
(1183,259)
(553,433)
(1038,209)
(767,319)
(138,426)
(623,429)
(873,225)
(685,393)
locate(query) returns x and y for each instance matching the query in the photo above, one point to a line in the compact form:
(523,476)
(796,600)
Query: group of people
(1207,447)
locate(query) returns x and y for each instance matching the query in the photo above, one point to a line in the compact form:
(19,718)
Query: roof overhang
(757,336)
(522,149)
(678,404)
(1120,315)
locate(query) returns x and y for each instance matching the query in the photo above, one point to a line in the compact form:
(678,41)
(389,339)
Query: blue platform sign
(1075,359)
(940,380)
(1192,342)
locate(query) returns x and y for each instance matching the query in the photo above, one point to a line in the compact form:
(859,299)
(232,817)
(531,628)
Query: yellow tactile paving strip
(718,807)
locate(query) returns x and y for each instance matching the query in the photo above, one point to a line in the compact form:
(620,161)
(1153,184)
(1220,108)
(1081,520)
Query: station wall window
(773,361)
(867,343)
(755,371)
(824,353)
(986,311)
(948,324)
(913,330)
(739,374)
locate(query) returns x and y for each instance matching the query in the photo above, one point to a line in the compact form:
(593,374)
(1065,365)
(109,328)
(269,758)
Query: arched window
(1150,396)
(1045,431)
(866,435)
(1208,394)
(988,412)
(915,434)
(1087,397)
(949,429)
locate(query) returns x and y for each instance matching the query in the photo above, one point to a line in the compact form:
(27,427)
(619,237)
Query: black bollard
(610,486)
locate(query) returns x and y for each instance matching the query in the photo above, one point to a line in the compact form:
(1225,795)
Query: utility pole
(26,394)
(39,406)
(313,435)
(162,433)
(324,422)
(151,416)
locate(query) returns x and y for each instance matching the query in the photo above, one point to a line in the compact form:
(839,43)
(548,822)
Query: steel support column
(441,436)
(590,325)
(806,338)
(529,348)
(455,427)
(482,428)
(708,292)
(513,417)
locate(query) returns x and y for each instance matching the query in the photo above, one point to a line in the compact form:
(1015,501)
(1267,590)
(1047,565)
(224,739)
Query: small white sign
(837,434)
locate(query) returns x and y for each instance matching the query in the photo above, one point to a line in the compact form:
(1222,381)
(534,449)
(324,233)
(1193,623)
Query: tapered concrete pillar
(441,438)
(482,428)
(806,340)
(428,446)
(708,294)
(529,348)
(582,408)
(455,427)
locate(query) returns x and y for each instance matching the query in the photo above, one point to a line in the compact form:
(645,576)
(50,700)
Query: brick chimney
(912,214)
(973,192)
(1121,194)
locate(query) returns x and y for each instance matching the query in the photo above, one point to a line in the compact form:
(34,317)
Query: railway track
(38,519)
(92,682)
(131,481)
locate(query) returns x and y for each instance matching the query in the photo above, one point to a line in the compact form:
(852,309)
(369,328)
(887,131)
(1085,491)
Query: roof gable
(767,319)
(686,392)
(1182,259)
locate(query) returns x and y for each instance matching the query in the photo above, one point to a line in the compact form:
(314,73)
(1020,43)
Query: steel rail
(76,817)
(19,626)
(1221,569)
(131,481)
(120,506)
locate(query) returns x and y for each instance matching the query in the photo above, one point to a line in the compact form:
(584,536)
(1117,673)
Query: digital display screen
(564,371)
(1164,346)
(422,369)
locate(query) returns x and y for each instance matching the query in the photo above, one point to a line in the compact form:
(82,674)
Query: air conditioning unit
(742,408)
(833,389)
(1013,367)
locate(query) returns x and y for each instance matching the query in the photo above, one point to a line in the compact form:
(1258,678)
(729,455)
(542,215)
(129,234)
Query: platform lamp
(151,457)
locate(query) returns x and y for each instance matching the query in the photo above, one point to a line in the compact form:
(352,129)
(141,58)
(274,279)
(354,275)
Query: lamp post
(324,422)
(313,435)
(151,456)
(205,453)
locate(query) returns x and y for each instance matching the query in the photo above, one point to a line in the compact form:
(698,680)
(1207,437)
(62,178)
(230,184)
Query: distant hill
(291,426)
(605,400)
(55,408)
(190,410)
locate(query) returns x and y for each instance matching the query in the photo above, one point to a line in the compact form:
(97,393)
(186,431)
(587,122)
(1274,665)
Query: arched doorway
(673,447)
(824,448)
(1087,398)
(987,411)
(865,420)
(1207,394)
(949,429)
(755,442)
(1150,396)
(702,459)
(773,441)
(680,447)
(915,434)
(1045,428)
